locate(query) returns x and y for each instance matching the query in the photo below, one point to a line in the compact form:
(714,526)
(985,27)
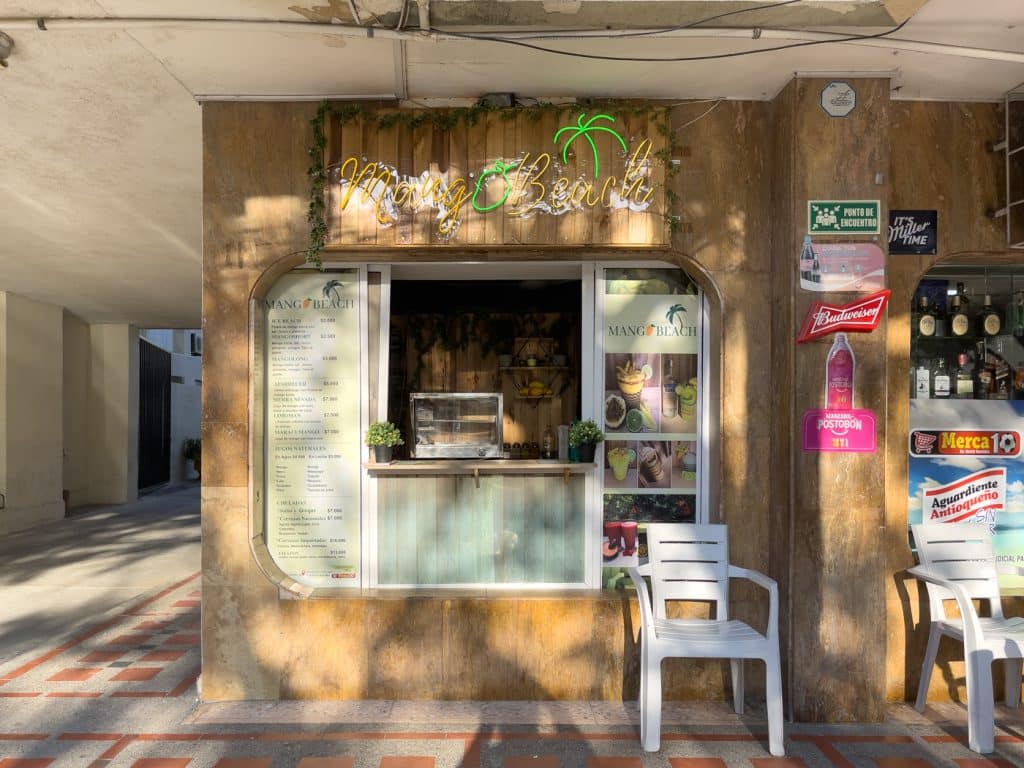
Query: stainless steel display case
(457,425)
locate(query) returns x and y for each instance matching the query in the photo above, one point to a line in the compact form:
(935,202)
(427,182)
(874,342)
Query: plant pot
(197,465)
(382,453)
(585,452)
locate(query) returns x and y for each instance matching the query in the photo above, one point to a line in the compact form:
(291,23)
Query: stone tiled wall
(827,529)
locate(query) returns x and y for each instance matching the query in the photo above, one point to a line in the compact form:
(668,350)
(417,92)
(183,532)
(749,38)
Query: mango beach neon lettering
(524,186)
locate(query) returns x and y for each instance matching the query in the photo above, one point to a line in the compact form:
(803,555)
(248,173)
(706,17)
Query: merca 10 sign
(590,163)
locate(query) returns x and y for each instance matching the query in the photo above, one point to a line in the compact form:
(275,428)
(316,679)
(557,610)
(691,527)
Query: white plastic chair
(691,563)
(957,563)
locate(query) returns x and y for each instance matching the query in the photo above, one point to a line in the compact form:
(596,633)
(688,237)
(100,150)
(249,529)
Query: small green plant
(192,449)
(383,433)
(585,432)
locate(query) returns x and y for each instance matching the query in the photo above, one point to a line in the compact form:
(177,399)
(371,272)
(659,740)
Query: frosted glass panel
(444,530)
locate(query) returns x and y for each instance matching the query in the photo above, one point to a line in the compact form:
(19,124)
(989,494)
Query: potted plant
(192,450)
(584,436)
(383,436)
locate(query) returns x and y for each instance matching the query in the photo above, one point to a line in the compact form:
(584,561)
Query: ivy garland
(446,120)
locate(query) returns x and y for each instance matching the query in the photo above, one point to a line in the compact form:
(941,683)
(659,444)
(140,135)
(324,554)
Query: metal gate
(154,415)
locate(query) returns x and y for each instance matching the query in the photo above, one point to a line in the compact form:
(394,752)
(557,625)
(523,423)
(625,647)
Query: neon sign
(529,183)
(584,130)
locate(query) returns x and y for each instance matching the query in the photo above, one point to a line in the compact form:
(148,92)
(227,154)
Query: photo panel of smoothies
(620,458)
(632,392)
(684,464)
(654,465)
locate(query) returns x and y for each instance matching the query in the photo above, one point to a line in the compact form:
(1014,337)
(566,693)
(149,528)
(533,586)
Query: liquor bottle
(982,375)
(669,398)
(940,380)
(839,370)
(959,324)
(923,380)
(965,300)
(925,319)
(964,382)
(989,321)
(940,319)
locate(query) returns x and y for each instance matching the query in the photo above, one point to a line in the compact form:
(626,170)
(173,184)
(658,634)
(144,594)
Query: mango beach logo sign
(332,299)
(521,186)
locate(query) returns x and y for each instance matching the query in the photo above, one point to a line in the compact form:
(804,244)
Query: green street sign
(843,217)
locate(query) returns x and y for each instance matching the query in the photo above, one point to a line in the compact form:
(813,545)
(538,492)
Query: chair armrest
(643,597)
(773,594)
(973,636)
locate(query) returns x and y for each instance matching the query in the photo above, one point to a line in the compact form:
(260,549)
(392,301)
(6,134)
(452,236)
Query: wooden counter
(479,467)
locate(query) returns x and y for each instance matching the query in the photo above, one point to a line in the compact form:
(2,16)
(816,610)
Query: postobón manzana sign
(594,164)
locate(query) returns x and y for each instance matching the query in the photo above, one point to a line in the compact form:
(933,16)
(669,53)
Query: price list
(312,428)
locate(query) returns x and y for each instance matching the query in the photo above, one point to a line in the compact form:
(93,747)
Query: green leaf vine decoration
(446,120)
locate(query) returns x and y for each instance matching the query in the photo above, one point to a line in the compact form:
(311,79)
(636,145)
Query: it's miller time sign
(580,177)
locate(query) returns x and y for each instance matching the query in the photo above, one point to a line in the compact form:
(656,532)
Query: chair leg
(926,669)
(773,685)
(1012,671)
(980,702)
(650,707)
(737,685)
(643,690)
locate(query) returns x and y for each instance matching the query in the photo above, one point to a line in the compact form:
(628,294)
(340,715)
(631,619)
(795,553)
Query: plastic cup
(613,532)
(629,537)
(619,460)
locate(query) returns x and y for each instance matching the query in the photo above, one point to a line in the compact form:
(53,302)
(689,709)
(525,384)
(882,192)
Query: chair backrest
(962,553)
(689,562)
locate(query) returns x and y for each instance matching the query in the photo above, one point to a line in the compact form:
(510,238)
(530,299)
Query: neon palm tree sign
(584,129)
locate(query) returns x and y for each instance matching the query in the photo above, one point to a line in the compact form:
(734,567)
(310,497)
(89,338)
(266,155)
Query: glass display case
(459,425)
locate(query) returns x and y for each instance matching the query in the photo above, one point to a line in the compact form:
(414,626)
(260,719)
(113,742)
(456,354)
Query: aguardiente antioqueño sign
(592,163)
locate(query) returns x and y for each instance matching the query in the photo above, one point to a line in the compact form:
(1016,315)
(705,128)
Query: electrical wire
(699,117)
(654,59)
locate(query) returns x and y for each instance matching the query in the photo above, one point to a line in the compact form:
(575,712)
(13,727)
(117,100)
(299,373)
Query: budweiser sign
(860,316)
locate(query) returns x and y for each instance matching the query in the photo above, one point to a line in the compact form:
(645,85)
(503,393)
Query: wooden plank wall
(464,151)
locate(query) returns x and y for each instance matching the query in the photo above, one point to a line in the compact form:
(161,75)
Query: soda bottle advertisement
(965,466)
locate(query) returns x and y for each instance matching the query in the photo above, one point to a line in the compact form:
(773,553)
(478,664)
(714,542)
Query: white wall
(113,418)
(77,445)
(31,399)
(186,405)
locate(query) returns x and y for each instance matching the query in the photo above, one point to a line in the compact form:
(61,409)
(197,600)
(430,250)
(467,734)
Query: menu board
(652,333)
(312,427)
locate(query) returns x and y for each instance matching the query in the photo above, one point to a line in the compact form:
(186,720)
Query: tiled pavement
(123,694)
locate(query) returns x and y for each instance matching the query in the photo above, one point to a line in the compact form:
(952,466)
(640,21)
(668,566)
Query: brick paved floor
(122,694)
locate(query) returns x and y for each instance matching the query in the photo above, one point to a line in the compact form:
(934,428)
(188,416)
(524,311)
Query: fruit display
(535,388)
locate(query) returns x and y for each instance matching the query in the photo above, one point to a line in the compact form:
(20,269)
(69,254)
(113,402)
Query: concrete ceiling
(101,190)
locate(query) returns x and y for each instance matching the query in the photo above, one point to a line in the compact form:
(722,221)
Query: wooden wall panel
(464,152)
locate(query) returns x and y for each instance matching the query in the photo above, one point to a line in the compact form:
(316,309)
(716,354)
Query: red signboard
(861,316)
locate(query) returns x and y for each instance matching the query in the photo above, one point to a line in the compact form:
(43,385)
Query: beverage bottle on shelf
(982,375)
(1018,314)
(941,382)
(547,444)
(839,371)
(924,319)
(669,398)
(940,320)
(922,380)
(965,300)
(989,321)
(963,380)
(959,324)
